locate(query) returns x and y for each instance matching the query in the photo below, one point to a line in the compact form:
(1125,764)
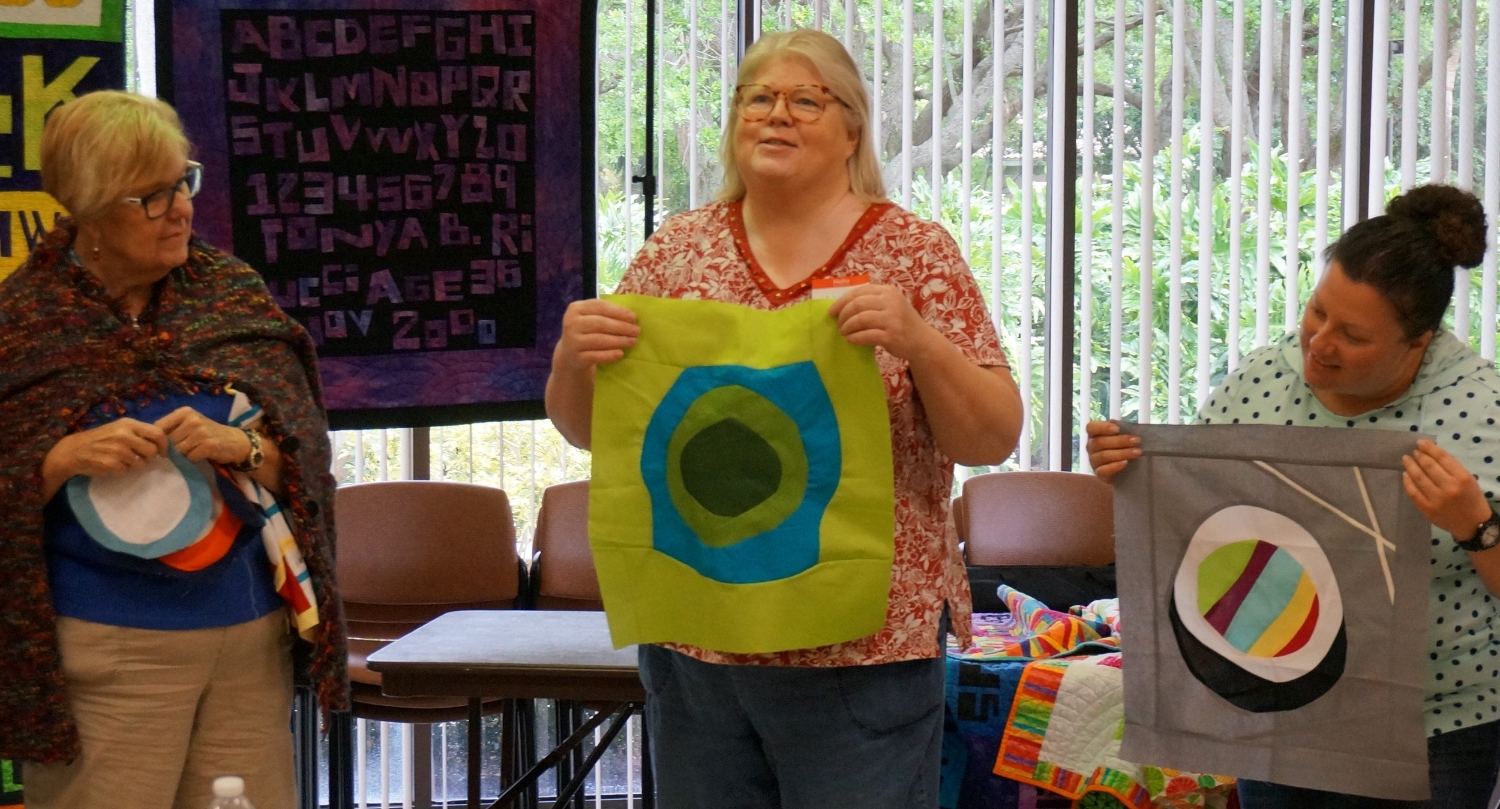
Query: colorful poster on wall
(414,179)
(50,52)
(742,497)
(1274,582)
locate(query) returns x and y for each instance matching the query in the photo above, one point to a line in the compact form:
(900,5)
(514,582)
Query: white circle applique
(150,512)
(1255,587)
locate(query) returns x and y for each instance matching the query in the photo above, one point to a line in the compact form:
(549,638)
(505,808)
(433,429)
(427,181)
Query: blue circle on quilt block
(789,547)
(150,512)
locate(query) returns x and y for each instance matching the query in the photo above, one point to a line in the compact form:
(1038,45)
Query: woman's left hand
(199,437)
(1444,491)
(880,315)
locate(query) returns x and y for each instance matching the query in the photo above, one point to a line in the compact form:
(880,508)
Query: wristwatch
(257,455)
(1488,535)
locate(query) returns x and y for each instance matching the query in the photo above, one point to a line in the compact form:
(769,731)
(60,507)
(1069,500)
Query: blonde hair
(828,57)
(97,147)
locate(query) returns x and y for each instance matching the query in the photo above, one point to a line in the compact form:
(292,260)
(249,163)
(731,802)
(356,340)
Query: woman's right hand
(595,332)
(117,447)
(1109,451)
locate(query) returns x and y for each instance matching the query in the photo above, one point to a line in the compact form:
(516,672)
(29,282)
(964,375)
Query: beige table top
(510,654)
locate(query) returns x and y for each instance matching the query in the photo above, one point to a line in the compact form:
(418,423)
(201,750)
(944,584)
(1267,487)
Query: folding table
(522,654)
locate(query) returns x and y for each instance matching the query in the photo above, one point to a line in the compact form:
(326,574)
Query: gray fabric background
(1366,735)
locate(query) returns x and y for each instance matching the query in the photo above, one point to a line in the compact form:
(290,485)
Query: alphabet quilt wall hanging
(1274,584)
(742,497)
(413,178)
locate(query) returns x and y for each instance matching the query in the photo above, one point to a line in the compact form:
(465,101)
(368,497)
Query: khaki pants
(163,713)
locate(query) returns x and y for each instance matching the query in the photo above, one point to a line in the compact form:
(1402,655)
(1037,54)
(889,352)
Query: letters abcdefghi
(382,175)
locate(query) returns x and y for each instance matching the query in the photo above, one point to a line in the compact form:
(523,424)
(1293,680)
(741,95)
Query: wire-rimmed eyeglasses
(157,203)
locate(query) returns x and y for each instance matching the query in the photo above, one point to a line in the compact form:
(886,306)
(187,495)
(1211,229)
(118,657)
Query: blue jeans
(761,737)
(1462,767)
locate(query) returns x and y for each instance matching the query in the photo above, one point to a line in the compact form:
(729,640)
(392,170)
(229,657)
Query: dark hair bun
(1454,217)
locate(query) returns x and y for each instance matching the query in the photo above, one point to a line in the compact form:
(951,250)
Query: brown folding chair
(563,578)
(562,566)
(409,551)
(1036,518)
(1048,534)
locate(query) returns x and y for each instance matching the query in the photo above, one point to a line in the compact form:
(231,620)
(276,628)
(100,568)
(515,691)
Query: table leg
(341,760)
(648,772)
(305,746)
(421,766)
(554,758)
(574,789)
(476,750)
(508,748)
(527,748)
(575,766)
(565,723)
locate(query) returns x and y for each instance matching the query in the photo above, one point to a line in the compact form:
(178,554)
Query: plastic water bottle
(229,793)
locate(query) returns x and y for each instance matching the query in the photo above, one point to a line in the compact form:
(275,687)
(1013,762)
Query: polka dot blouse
(1455,397)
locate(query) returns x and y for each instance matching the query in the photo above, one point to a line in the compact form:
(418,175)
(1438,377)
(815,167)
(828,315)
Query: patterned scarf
(66,350)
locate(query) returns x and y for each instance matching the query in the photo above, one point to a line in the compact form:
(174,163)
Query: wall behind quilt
(414,179)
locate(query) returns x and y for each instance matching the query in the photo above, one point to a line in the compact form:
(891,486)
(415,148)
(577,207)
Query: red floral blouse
(705,255)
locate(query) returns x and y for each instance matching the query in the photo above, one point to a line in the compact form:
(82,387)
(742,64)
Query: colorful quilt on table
(1033,631)
(979,694)
(982,682)
(1063,734)
(1175,789)
(742,496)
(1004,726)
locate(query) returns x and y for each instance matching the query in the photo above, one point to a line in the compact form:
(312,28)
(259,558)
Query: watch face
(1489,534)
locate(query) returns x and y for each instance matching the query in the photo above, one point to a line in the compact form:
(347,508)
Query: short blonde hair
(98,146)
(828,57)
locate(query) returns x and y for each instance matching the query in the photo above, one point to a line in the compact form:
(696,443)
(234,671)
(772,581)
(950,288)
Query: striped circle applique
(1258,597)
(1256,611)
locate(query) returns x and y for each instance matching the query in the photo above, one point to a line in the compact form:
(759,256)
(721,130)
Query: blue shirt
(95,583)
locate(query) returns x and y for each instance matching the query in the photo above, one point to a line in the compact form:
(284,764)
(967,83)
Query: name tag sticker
(834,288)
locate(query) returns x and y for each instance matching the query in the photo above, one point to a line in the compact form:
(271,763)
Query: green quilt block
(742,497)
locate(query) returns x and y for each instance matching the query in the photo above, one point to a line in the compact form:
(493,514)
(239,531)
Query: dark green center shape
(724,487)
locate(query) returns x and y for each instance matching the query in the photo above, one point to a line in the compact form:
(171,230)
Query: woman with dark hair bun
(1372,353)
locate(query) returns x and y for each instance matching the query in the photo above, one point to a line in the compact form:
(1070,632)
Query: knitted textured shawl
(66,350)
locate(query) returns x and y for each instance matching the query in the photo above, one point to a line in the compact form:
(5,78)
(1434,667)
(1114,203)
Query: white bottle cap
(229,786)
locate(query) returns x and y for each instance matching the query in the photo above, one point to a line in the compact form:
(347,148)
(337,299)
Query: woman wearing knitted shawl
(166,539)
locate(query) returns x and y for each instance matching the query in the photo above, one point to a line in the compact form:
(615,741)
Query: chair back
(1036,518)
(563,570)
(409,551)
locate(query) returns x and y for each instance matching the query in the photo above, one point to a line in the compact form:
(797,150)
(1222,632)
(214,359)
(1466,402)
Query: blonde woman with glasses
(857,723)
(166,537)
